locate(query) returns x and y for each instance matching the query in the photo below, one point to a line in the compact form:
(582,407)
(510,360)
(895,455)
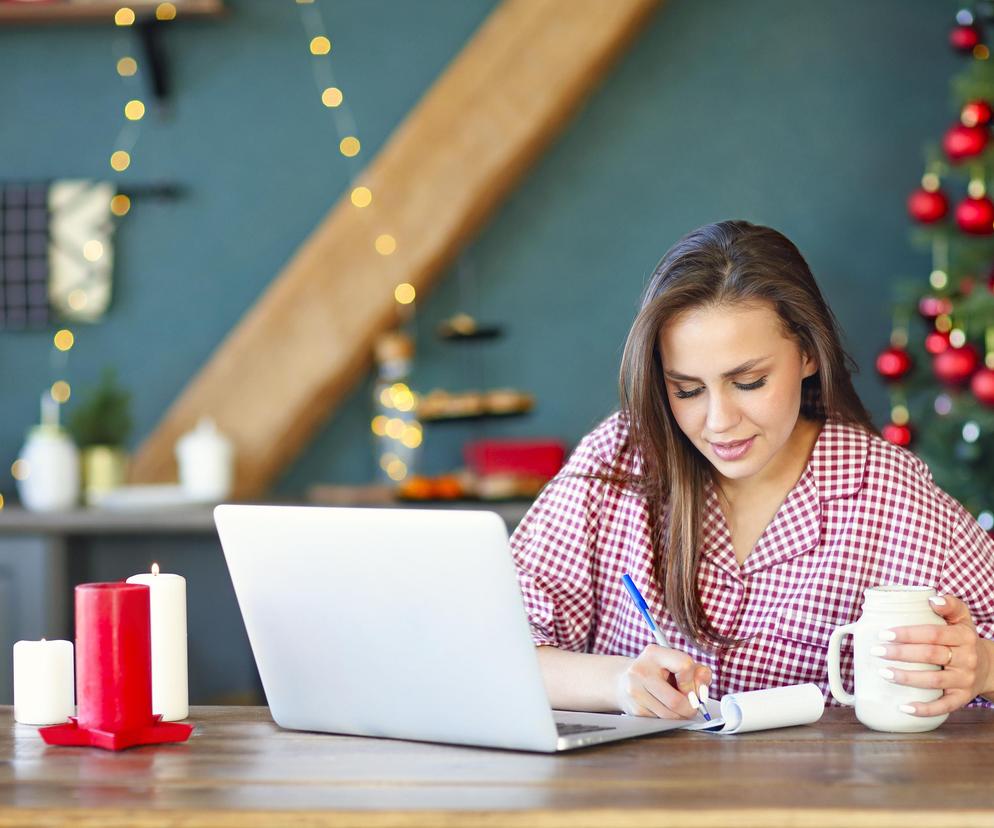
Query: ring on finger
(949,657)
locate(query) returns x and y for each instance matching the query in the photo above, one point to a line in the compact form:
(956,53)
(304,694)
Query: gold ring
(950,658)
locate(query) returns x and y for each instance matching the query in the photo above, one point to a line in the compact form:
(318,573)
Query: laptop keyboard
(571,729)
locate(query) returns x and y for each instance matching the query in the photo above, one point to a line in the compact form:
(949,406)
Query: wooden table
(239,769)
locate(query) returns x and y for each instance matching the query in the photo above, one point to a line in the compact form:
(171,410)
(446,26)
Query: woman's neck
(780,475)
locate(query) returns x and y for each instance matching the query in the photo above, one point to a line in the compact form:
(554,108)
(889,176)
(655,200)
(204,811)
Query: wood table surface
(240,769)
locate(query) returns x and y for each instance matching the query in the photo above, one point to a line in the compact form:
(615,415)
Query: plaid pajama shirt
(863,513)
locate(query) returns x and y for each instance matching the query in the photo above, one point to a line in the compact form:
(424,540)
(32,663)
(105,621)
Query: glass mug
(877,700)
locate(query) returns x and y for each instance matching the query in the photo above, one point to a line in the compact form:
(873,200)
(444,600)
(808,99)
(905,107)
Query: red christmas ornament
(937,343)
(966,285)
(982,386)
(961,142)
(932,306)
(893,363)
(976,113)
(926,207)
(955,366)
(899,435)
(964,38)
(976,216)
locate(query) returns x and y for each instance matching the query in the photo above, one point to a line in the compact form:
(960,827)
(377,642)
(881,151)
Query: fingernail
(694,701)
(937,600)
(887,635)
(887,674)
(906,708)
(704,692)
(878,650)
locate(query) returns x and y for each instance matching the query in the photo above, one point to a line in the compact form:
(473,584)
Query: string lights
(93,249)
(395,426)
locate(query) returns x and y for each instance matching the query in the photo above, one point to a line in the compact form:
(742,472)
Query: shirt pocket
(797,646)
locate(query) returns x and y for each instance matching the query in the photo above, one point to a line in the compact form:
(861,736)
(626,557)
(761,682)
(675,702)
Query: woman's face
(733,380)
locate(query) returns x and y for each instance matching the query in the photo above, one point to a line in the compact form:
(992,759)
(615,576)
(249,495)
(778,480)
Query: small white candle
(43,682)
(170,690)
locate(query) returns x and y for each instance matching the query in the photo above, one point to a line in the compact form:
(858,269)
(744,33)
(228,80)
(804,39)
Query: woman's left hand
(956,648)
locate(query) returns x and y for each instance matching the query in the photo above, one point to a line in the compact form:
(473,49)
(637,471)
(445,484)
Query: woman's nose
(722,414)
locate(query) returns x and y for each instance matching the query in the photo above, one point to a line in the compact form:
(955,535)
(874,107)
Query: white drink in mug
(875,698)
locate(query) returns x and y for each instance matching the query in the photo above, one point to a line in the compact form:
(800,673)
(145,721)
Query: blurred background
(500,304)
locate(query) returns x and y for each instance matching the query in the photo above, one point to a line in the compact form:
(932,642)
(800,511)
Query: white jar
(876,699)
(206,462)
(50,479)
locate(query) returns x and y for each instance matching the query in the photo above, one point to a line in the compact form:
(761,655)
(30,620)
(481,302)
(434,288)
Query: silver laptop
(399,623)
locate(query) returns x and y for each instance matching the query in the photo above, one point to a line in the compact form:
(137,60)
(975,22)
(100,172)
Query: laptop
(398,623)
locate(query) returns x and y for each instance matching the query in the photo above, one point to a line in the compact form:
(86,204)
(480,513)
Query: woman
(745,490)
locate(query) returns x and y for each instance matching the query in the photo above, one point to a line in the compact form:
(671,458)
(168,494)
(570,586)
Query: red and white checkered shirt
(863,513)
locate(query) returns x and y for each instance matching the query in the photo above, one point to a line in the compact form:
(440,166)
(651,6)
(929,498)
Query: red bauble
(964,38)
(899,435)
(982,386)
(976,113)
(893,363)
(932,306)
(961,142)
(926,207)
(976,216)
(937,343)
(955,366)
(966,285)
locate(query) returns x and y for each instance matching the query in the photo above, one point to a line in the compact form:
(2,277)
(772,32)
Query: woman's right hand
(658,683)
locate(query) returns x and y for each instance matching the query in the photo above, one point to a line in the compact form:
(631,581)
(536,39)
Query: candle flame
(155,569)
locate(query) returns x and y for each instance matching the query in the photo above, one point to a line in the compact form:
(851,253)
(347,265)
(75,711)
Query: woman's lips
(734,450)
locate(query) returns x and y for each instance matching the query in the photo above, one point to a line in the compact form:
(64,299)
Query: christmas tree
(940,363)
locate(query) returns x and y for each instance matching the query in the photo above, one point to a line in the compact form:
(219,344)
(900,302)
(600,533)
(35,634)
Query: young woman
(745,490)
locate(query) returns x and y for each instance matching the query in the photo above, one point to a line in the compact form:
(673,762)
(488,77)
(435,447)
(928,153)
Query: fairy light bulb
(404,293)
(320,45)
(120,160)
(362,197)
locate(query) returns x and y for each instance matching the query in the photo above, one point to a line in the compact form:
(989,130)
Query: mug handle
(834,675)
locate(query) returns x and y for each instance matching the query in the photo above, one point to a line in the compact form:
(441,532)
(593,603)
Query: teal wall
(808,116)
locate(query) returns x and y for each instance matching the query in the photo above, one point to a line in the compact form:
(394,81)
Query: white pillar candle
(43,682)
(170,690)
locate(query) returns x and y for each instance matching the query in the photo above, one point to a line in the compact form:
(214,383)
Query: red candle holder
(114,673)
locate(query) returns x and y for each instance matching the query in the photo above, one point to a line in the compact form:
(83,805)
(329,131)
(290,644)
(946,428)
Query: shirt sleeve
(553,550)
(968,573)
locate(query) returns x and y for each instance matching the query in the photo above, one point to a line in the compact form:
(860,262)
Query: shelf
(100,11)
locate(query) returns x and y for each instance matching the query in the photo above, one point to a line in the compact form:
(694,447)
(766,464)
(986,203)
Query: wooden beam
(296,354)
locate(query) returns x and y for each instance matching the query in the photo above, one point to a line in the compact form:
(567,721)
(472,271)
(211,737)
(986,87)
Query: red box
(539,457)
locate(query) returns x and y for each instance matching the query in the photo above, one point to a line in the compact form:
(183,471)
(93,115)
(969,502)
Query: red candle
(114,673)
(113,657)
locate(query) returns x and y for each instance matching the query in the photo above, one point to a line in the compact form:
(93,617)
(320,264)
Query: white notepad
(796,704)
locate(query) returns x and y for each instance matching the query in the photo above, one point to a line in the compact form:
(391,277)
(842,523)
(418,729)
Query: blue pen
(657,633)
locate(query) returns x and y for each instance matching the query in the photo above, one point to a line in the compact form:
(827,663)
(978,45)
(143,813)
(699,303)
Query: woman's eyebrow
(738,369)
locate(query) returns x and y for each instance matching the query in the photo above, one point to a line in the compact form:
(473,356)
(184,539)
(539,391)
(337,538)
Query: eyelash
(751,386)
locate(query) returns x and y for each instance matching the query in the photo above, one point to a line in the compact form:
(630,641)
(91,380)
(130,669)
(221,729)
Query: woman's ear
(809,367)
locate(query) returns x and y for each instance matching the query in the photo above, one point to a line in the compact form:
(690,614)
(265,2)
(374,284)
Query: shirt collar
(838,460)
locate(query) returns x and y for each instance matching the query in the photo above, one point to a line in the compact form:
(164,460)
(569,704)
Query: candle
(114,673)
(170,689)
(113,657)
(43,682)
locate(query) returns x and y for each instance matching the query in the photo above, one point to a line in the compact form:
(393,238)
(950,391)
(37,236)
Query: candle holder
(114,673)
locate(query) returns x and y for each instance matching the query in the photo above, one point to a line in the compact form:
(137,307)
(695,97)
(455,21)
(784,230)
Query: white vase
(50,482)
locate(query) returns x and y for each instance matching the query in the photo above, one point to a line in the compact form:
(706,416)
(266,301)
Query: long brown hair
(733,263)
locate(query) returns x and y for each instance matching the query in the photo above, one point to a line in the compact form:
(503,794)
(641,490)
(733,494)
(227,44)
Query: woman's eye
(751,386)
(686,395)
